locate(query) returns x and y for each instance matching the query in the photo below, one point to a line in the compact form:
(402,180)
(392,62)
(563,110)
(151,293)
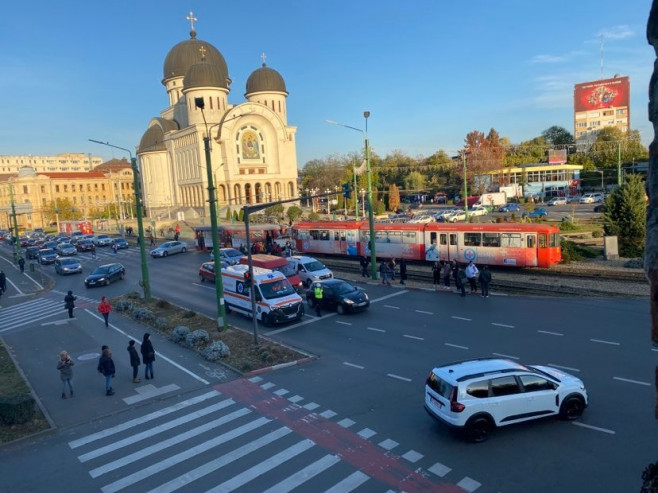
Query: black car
(84,245)
(32,252)
(105,274)
(339,295)
(120,243)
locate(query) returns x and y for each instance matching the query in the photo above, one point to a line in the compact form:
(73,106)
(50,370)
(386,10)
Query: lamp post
(146,284)
(371,218)
(602,185)
(465,184)
(17,240)
(363,202)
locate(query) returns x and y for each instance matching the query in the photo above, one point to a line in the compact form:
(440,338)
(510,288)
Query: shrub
(596,234)
(142,314)
(134,295)
(162,304)
(197,338)
(179,334)
(16,408)
(567,225)
(189,314)
(161,323)
(313,216)
(216,351)
(123,306)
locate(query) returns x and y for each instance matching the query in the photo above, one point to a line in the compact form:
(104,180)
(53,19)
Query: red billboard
(557,156)
(604,93)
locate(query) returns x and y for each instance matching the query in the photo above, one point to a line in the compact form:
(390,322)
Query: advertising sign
(557,156)
(598,94)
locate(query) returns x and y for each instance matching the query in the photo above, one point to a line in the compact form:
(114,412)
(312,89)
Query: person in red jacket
(105,308)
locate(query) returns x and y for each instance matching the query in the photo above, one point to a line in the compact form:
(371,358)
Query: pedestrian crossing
(246,435)
(38,310)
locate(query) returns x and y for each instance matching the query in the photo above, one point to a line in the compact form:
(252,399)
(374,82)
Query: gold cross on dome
(191,18)
(263,56)
(202,49)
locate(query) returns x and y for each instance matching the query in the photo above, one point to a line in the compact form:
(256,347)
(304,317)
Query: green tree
(613,146)
(275,210)
(228,213)
(557,136)
(393,197)
(625,217)
(293,212)
(241,215)
(414,181)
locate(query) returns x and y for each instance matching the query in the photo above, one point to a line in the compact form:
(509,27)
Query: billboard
(604,93)
(557,156)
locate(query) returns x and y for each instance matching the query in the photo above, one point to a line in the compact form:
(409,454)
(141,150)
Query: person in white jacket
(472,275)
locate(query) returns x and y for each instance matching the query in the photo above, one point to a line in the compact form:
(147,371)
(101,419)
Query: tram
(501,244)
(234,235)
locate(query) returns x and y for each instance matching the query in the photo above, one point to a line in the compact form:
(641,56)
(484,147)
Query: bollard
(31,266)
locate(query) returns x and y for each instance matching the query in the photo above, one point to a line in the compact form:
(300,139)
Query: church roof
(186,53)
(205,74)
(153,138)
(265,79)
(113,165)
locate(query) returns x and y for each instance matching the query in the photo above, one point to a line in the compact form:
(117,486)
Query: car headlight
(365,295)
(349,302)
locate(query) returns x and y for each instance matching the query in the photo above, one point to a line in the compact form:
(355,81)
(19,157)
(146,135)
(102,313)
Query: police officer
(317,294)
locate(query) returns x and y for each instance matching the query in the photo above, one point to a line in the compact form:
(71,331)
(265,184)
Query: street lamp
(146,285)
(371,218)
(602,185)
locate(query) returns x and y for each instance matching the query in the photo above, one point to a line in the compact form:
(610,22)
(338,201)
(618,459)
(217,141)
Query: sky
(429,71)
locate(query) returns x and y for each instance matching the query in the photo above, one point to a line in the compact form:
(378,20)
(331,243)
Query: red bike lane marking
(350,447)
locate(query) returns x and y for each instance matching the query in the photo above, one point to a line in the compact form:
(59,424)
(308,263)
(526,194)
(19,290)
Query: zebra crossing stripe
(300,477)
(30,312)
(183,456)
(139,421)
(351,482)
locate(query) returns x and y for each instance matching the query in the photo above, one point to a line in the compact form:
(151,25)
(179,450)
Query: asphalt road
(369,378)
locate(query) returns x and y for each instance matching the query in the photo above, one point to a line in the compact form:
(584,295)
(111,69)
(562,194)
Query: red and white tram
(504,244)
(234,235)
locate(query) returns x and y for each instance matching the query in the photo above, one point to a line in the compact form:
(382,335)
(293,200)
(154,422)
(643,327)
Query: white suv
(480,394)
(591,198)
(309,269)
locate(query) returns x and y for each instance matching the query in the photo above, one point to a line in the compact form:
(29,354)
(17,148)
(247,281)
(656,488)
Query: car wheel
(572,408)
(340,309)
(183,250)
(478,430)
(266,320)
(122,276)
(165,254)
(107,282)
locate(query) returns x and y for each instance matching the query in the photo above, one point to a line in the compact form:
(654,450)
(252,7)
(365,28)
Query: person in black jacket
(69,304)
(148,356)
(134,360)
(485,279)
(403,270)
(106,368)
(459,276)
(363,262)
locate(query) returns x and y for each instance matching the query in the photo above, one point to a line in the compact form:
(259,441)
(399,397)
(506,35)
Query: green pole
(17,241)
(371,218)
(618,164)
(146,284)
(465,184)
(356,198)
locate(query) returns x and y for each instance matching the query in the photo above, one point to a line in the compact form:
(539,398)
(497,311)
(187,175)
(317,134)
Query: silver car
(169,248)
(65,250)
(66,266)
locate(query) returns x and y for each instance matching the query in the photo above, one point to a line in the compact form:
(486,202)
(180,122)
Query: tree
(414,181)
(625,217)
(613,146)
(293,212)
(274,210)
(556,136)
(393,197)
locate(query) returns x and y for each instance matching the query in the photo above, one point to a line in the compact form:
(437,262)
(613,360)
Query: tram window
(542,240)
(443,239)
(511,240)
(395,237)
(315,234)
(324,235)
(409,237)
(453,239)
(490,239)
(531,241)
(472,239)
(381,237)
(336,235)
(555,240)
(303,234)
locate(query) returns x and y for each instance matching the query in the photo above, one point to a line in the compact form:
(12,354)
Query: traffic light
(247,279)
(347,191)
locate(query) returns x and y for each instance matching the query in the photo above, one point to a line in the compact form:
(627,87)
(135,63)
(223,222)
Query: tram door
(531,250)
(339,244)
(453,247)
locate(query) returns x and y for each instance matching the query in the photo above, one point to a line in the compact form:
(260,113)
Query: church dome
(205,74)
(186,53)
(265,79)
(153,138)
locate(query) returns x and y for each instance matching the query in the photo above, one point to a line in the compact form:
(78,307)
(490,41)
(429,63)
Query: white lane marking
(343,323)
(305,474)
(424,312)
(550,333)
(606,342)
(655,350)
(398,377)
(502,325)
(350,483)
(469,484)
(204,286)
(632,381)
(461,318)
(376,330)
(595,428)
(382,298)
(562,367)
(414,337)
(455,345)
(439,469)
(505,356)
(392,307)
(353,365)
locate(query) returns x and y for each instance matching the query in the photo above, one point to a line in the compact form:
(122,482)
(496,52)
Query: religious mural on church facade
(250,147)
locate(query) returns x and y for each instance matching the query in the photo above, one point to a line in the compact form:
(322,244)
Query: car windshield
(68,261)
(101,271)
(233,253)
(344,288)
(276,289)
(47,251)
(314,266)
(287,270)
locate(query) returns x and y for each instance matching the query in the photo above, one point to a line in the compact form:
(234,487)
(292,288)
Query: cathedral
(252,148)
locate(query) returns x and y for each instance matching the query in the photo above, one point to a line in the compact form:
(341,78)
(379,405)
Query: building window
(43,189)
(57,188)
(66,188)
(25,189)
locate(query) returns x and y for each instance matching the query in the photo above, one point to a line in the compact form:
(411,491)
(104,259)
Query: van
(272,262)
(276,300)
(309,269)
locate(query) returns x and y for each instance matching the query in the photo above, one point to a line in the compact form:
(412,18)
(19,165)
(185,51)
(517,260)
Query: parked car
(102,240)
(120,243)
(478,210)
(443,214)
(458,215)
(537,212)
(573,199)
(557,201)
(231,256)
(169,248)
(65,250)
(511,207)
(84,245)
(103,275)
(339,295)
(47,256)
(207,271)
(478,395)
(591,198)
(68,265)
(32,252)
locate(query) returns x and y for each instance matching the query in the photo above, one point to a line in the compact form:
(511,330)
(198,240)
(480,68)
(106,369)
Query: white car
(309,269)
(591,198)
(231,256)
(422,219)
(557,201)
(478,210)
(479,395)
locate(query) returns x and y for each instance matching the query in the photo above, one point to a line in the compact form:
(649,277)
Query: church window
(210,99)
(219,106)
(272,105)
(57,188)
(279,106)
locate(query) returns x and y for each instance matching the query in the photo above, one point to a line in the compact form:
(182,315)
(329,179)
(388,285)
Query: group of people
(471,275)
(106,365)
(387,270)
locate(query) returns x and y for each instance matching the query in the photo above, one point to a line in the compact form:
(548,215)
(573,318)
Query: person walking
(93,251)
(104,308)
(3,282)
(106,368)
(317,296)
(69,302)
(148,356)
(436,274)
(383,270)
(472,275)
(134,360)
(403,270)
(21,264)
(65,367)
(152,240)
(391,268)
(485,279)
(459,276)
(115,247)
(445,273)
(364,261)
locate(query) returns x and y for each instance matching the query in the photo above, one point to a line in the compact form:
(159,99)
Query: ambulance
(276,300)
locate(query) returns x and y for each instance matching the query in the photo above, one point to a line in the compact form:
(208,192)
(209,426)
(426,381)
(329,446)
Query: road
(363,393)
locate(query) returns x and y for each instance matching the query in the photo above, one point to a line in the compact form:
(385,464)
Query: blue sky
(428,71)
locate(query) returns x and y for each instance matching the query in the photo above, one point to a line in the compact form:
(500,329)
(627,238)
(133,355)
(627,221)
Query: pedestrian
(472,275)
(106,368)
(21,264)
(403,270)
(485,279)
(3,282)
(391,268)
(152,240)
(445,273)
(363,262)
(65,367)
(175,236)
(318,294)
(69,302)
(383,270)
(93,251)
(459,276)
(148,356)
(134,360)
(115,247)
(287,249)
(436,274)
(104,307)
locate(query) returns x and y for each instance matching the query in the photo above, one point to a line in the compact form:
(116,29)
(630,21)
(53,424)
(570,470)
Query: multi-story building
(60,162)
(599,104)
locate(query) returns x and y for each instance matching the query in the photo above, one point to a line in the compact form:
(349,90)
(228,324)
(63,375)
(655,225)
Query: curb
(280,366)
